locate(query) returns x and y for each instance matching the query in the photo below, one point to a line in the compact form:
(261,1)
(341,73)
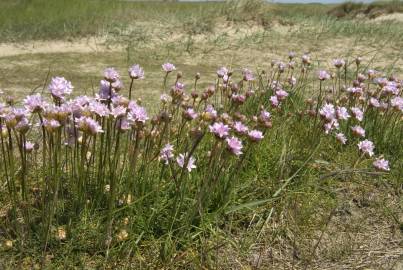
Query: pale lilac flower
(397,102)
(105,91)
(355,91)
(281,94)
(51,125)
(342,113)
(291,55)
(137,113)
(281,66)
(238,98)
(374,102)
(247,75)
(34,103)
(220,130)
(391,88)
(234,145)
(181,160)
(210,109)
(338,63)
(59,87)
(358,113)
(88,125)
(330,125)
(274,101)
(240,128)
(381,81)
(341,138)
(117,85)
(328,111)
(168,67)
(265,116)
(221,72)
(255,135)
(190,114)
(124,124)
(371,73)
(98,108)
(111,75)
(136,72)
(306,59)
(292,81)
(358,131)
(381,164)
(29,146)
(179,86)
(166,153)
(323,75)
(23,125)
(118,111)
(367,147)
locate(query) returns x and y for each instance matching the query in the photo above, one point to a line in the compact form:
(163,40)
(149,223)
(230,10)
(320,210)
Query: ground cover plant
(277,161)
(132,177)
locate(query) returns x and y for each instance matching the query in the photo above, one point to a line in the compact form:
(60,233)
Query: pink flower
(210,109)
(323,75)
(281,94)
(292,81)
(29,146)
(111,75)
(328,112)
(59,87)
(181,160)
(137,113)
(51,125)
(247,75)
(381,164)
(367,147)
(221,72)
(358,114)
(190,114)
(240,128)
(88,125)
(136,72)
(255,135)
(342,113)
(397,102)
(374,102)
(99,108)
(168,67)
(338,63)
(219,129)
(118,111)
(341,138)
(166,153)
(355,91)
(358,131)
(234,145)
(274,101)
(264,116)
(34,103)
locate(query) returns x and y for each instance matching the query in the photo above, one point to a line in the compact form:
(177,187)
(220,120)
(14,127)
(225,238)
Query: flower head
(274,101)
(137,113)
(88,125)
(59,87)
(358,113)
(183,158)
(34,103)
(221,72)
(281,94)
(255,135)
(166,153)
(342,113)
(367,147)
(220,130)
(240,128)
(358,131)
(247,75)
(381,164)
(190,114)
(168,67)
(323,75)
(341,138)
(111,75)
(338,63)
(234,145)
(136,72)
(328,112)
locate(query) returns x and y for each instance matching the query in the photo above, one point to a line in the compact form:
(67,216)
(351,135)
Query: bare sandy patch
(390,17)
(88,45)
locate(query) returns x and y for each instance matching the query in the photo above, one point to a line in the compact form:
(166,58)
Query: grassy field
(329,215)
